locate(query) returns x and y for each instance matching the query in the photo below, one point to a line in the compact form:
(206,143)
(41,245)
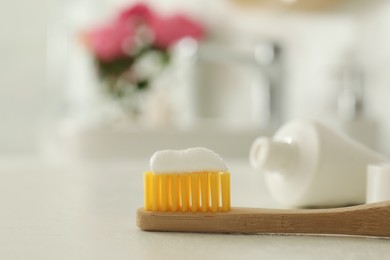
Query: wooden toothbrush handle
(364,220)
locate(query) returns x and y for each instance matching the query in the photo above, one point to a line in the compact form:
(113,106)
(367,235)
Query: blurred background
(187,73)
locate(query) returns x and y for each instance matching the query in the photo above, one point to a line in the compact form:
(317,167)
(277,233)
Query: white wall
(374,44)
(22,73)
(312,44)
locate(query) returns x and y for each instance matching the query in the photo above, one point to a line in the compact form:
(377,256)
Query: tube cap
(378,182)
(272,155)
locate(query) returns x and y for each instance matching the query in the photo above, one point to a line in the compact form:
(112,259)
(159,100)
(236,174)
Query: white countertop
(88,212)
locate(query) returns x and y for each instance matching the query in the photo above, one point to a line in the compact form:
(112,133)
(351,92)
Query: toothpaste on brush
(187,161)
(195,179)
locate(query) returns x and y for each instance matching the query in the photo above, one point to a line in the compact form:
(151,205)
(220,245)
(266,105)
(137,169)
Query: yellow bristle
(184,192)
(228,190)
(205,191)
(225,185)
(164,192)
(148,190)
(174,189)
(156,192)
(214,184)
(194,192)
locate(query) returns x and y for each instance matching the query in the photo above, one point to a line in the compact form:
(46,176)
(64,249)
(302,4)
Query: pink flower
(113,40)
(120,37)
(108,42)
(171,29)
(137,13)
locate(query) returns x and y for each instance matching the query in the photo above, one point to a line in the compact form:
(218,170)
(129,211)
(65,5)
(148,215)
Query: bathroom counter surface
(87,211)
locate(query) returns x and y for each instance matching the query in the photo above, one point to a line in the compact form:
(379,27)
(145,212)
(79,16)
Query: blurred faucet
(264,59)
(268,56)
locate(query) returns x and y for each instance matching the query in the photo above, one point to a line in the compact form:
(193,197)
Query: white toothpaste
(185,161)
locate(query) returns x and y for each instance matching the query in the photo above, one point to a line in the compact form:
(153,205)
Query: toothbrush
(186,213)
(199,201)
(363,220)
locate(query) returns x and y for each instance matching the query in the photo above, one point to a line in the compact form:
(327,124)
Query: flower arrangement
(132,49)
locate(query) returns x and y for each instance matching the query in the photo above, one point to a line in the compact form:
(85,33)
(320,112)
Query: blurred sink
(108,143)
